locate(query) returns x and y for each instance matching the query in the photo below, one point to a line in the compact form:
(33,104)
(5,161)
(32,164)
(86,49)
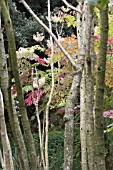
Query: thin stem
(51,93)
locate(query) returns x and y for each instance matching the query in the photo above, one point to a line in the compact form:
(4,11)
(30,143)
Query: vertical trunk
(69,121)
(86,95)
(13,59)
(86,100)
(1,158)
(99,101)
(89,92)
(71,102)
(51,93)
(83,123)
(82,97)
(8,161)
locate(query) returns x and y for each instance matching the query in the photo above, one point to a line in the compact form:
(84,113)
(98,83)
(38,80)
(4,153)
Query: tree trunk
(82,96)
(6,89)
(72,100)
(99,100)
(89,91)
(83,123)
(7,154)
(12,54)
(8,162)
(69,121)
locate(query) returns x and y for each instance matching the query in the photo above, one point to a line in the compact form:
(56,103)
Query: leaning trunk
(13,59)
(6,89)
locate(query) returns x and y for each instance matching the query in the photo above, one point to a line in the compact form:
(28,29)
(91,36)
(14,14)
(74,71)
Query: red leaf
(96,37)
(31,100)
(40,60)
(110,39)
(13,89)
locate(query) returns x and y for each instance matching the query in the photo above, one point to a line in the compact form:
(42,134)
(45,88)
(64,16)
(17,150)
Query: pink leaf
(110,39)
(31,100)
(40,60)
(109,52)
(108,113)
(61,76)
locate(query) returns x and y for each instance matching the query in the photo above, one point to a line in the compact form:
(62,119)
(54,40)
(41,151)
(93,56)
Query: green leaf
(27,88)
(101,4)
(110,129)
(68,24)
(33,118)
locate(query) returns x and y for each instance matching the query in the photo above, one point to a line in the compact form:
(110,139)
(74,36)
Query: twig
(38,119)
(71,6)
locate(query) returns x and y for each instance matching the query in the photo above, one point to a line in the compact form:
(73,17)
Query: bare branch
(71,6)
(51,92)
(49,31)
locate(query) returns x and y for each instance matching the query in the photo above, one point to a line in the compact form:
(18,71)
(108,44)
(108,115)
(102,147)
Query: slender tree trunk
(82,96)
(8,162)
(1,158)
(86,95)
(72,99)
(51,92)
(83,123)
(6,89)
(89,92)
(12,53)
(99,101)
(69,121)
(7,154)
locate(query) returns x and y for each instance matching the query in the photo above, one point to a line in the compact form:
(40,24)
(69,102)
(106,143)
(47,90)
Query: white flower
(38,37)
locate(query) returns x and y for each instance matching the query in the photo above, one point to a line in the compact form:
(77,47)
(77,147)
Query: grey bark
(83,124)
(7,154)
(99,94)
(71,101)
(89,91)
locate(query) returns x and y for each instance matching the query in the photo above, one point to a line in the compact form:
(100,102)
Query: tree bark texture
(89,91)
(12,54)
(82,96)
(87,97)
(7,154)
(72,100)
(99,100)
(83,123)
(13,118)
(69,122)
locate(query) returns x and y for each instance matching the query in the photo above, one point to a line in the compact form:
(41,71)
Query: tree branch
(71,6)
(49,31)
